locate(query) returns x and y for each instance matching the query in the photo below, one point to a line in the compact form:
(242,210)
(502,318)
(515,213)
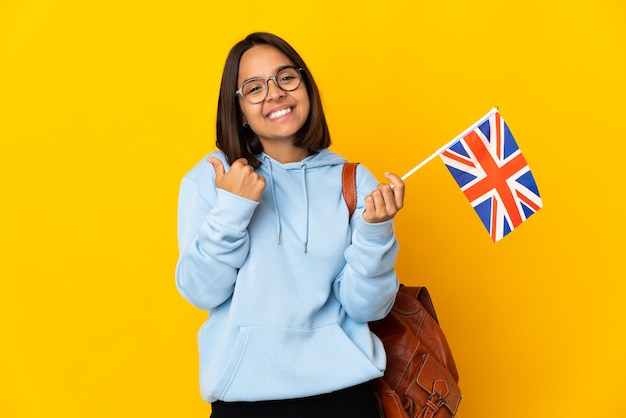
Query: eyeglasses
(255,90)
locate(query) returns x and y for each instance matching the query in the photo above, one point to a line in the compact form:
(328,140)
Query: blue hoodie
(289,282)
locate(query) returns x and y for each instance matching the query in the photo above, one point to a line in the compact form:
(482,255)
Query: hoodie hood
(268,168)
(321,158)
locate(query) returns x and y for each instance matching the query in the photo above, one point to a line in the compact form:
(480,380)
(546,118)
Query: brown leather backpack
(421,379)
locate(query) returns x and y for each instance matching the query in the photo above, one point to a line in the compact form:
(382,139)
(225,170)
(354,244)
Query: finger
(369,209)
(394,179)
(241,165)
(398,188)
(218,166)
(389,198)
(240,161)
(378,203)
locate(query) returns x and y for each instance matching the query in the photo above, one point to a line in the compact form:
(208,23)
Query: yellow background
(104,105)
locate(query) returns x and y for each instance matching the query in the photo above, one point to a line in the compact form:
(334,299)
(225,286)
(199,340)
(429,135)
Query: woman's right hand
(241,179)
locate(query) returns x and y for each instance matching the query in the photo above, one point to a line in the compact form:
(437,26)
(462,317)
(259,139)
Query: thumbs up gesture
(241,179)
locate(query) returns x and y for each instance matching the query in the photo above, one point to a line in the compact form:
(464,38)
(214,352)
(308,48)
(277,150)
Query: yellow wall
(104,105)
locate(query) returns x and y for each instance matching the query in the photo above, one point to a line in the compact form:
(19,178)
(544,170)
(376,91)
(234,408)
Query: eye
(253,88)
(288,76)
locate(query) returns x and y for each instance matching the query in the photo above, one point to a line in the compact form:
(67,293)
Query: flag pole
(458,137)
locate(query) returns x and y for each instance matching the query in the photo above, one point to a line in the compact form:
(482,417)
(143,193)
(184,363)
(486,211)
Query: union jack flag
(491,171)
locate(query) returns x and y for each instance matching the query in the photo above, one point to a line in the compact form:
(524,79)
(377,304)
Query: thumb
(218,166)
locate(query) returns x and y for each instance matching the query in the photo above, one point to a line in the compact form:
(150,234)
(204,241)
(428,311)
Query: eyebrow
(277,69)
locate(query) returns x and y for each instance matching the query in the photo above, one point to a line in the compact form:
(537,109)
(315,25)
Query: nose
(273,91)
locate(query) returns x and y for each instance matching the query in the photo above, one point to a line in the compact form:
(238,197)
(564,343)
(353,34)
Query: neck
(285,153)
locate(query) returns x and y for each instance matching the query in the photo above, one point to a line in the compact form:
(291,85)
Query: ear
(244,120)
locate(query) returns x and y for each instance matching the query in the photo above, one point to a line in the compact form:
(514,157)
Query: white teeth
(279,113)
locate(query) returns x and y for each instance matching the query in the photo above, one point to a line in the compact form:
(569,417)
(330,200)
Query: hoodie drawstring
(306,202)
(276,215)
(306,206)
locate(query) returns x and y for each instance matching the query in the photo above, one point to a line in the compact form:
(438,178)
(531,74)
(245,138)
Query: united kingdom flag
(491,171)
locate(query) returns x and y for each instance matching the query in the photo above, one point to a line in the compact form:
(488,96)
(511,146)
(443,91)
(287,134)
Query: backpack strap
(348,186)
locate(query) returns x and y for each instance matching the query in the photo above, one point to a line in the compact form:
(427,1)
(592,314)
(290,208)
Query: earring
(244,124)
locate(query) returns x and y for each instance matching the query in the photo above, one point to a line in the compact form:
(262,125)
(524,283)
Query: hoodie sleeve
(213,240)
(368,283)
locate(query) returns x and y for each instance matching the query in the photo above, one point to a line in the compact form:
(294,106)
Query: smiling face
(281,115)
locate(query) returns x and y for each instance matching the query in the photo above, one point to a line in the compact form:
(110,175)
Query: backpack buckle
(441,401)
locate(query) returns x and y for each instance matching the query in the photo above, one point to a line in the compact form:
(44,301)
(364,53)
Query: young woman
(268,248)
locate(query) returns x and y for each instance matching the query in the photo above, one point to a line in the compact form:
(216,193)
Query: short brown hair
(237,141)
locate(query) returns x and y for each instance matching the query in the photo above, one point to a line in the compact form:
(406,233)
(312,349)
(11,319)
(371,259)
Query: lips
(279,113)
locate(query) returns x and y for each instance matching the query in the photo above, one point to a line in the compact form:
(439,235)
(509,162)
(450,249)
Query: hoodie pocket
(279,363)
